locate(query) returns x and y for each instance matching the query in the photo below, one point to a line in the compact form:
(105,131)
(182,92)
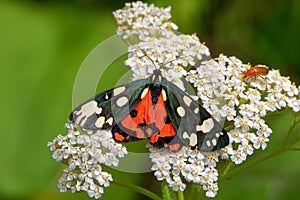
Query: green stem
(292,125)
(295,141)
(195,192)
(293,149)
(286,146)
(251,163)
(228,167)
(180,195)
(138,189)
(230,127)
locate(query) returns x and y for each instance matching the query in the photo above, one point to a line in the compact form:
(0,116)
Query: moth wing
(195,127)
(109,107)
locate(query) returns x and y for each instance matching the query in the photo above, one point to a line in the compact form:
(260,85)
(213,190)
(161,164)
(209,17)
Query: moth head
(156,76)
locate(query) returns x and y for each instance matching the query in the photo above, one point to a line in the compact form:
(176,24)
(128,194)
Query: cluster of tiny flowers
(84,153)
(142,20)
(174,52)
(194,166)
(163,46)
(242,101)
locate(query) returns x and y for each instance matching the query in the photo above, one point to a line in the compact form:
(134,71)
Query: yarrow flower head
(244,102)
(224,87)
(174,52)
(142,20)
(85,153)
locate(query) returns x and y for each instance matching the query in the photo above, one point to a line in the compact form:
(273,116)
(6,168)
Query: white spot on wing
(196,111)
(98,110)
(185,136)
(86,110)
(206,126)
(110,121)
(122,101)
(164,95)
(100,121)
(119,90)
(214,142)
(180,111)
(192,138)
(145,91)
(187,100)
(208,143)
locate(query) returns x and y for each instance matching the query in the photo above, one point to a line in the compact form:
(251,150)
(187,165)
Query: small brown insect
(257,70)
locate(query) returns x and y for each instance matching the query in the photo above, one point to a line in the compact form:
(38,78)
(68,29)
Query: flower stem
(227,169)
(138,189)
(180,195)
(294,149)
(195,192)
(286,146)
(292,125)
(251,163)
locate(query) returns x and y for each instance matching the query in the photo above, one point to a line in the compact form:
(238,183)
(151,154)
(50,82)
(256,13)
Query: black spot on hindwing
(133,113)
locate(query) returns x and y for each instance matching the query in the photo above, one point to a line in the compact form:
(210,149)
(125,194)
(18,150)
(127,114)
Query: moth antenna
(145,53)
(153,62)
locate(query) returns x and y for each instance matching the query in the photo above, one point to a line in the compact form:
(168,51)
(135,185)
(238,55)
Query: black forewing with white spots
(195,127)
(108,108)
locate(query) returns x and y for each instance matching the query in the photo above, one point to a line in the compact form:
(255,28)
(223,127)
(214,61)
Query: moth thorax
(155,92)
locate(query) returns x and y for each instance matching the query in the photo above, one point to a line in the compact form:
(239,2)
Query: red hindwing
(151,121)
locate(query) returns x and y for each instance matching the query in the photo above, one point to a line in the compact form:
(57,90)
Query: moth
(152,108)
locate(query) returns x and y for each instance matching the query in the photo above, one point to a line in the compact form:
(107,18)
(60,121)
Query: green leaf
(167,192)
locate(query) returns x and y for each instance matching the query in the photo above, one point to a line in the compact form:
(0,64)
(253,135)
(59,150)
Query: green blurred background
(43,43)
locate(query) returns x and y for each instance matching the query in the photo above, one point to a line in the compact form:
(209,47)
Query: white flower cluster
(158,43)
(193,166)
(174,52)
(142,20)
(242,101)
(221,87)
(84,154)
